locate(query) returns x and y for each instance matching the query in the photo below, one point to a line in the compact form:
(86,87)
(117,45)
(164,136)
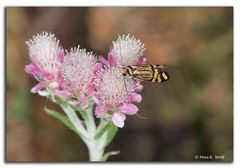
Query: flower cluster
(78,76)
(46,57)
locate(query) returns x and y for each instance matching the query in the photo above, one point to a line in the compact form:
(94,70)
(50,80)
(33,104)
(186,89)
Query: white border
(119,3)
(234,3)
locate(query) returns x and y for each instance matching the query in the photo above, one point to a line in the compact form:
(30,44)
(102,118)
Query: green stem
(75,121)
(95,137)
(90,122)
(95,153)
(94,148)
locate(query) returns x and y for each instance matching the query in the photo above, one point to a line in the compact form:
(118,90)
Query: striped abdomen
(149,72)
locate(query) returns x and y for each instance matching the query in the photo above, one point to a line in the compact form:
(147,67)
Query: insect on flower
(146,72)
(119,80)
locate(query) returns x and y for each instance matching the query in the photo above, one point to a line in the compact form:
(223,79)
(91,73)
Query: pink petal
(111,59)
(141,61)
(54,85)
(61,55)
(138,87)
(32,69)
(97,67)
(134,97)
(38,87)
(118,119)
(82,98)
(103,61)
(48,75)
(29,68)
(60,77)
(90,88)
(129,108)
(118,104)
(100,110)
(63,94)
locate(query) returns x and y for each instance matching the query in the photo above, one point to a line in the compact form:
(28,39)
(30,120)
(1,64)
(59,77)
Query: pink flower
(78,71)
(78,76)
(115,94)
(128,50)
(46,56)
(118,119)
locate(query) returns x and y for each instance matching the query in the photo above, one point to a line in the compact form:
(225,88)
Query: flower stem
(94,148)
(95,153)
(89,121)
(75,121)
(95,137)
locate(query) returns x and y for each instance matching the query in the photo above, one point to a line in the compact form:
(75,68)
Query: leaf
(61,101)
(61,117)
(105,133)
(81,111)
(108,154)
(102,128)
(111,132)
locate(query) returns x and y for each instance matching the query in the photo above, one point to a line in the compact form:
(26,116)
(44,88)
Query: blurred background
(191,114)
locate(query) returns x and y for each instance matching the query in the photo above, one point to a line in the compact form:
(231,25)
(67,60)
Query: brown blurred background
(191,114)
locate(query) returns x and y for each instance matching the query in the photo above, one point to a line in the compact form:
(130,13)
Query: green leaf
(81,111)
(72,116)
(108,154)
(61,101)
(61,117)
(102,128)
(105,133)
(111,132)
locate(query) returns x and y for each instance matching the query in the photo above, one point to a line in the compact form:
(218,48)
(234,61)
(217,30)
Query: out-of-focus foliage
(191,114)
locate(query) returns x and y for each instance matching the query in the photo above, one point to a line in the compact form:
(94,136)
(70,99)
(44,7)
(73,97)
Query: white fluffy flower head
(44,51)
(112,88)
(77,68)
(127,50)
